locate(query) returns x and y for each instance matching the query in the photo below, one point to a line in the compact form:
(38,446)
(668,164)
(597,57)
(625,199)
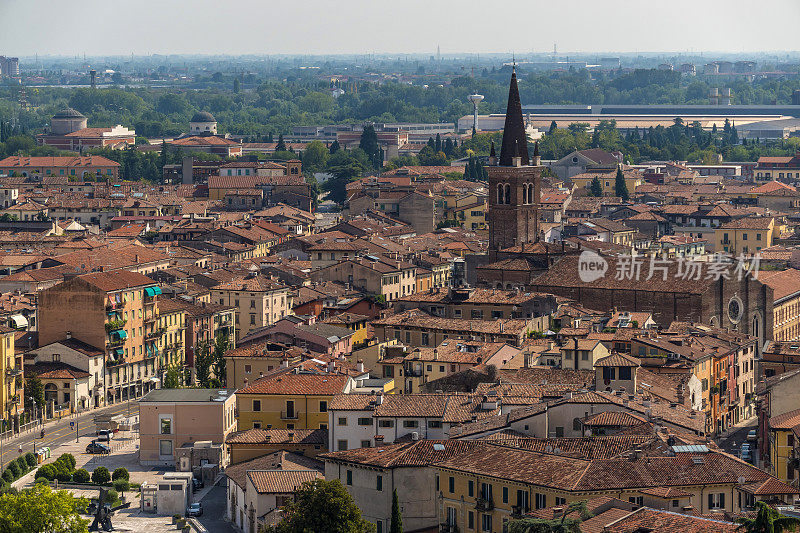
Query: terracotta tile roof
(618,359)
(783,282)
(117,280)
(614,419)
(281,481)
(80,346)
(311,384)
(646,519)
(666,492)
(405,454)
(88,132)
(351,402)
(210,140)
(580,448)
(418,318)
(788,420)
(760,223)
(56,371)
(599,521)
(279,436)
(565,274)
(254,284)
(281,460)
(64,161)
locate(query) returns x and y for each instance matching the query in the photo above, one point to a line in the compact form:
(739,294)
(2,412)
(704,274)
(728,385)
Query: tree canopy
(322,506)
(41,510)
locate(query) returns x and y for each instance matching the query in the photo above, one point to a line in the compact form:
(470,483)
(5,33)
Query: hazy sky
(103,27)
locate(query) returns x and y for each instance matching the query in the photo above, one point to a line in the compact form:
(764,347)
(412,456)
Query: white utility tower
(475,99)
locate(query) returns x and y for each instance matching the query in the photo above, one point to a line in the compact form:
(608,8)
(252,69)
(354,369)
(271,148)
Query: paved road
(732,442)
(214,506)
(58,432)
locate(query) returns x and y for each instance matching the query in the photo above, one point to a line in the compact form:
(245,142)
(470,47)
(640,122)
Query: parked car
(197,483)
(97,447)
(105,435)
(195,509)
(752,435)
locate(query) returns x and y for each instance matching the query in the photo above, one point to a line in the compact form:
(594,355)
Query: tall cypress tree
(396,525)
(596,188)
(438,143)
(281,146)
(620,187)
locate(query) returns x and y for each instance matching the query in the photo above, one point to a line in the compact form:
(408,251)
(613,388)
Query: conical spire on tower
(514,129)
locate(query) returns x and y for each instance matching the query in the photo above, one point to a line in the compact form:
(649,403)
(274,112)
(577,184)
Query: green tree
(41,510)
(620,187)
(81,476)
(427,156)
(344,166)
(315,157)
(396,525)
(202,363)
(34,392)
(369,143)
(564,524)
(101,475)
(221,344)
(596,187)
(281,146)
(322,506)
(173,377)
(767,520)
(236,85)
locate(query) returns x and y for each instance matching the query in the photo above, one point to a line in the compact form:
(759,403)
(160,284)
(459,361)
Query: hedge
(81,476)
(101,476)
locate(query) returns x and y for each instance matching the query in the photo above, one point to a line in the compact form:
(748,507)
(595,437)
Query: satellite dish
(741,480)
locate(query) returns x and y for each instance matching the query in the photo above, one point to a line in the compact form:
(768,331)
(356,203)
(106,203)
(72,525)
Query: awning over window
(119,352)
(157,290)
(19,321)
(149,292)
(119,334)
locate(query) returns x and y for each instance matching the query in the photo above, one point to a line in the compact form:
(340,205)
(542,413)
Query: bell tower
(514,183)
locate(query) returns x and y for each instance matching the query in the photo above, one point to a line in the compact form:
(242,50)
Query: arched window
(500,193)
(531,190)
(507,193)
(525,193)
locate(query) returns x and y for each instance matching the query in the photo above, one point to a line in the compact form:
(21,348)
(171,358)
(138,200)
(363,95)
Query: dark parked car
(195,509)
(197,483)
(97,447)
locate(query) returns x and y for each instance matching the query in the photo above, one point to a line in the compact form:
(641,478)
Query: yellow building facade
(11,395)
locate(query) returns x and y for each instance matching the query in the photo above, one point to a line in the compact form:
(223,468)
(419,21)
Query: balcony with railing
(413,372)
(290,415)
(447,527)
(115,324)
(517,511)
(115,306)
(155,334)
(484,505)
